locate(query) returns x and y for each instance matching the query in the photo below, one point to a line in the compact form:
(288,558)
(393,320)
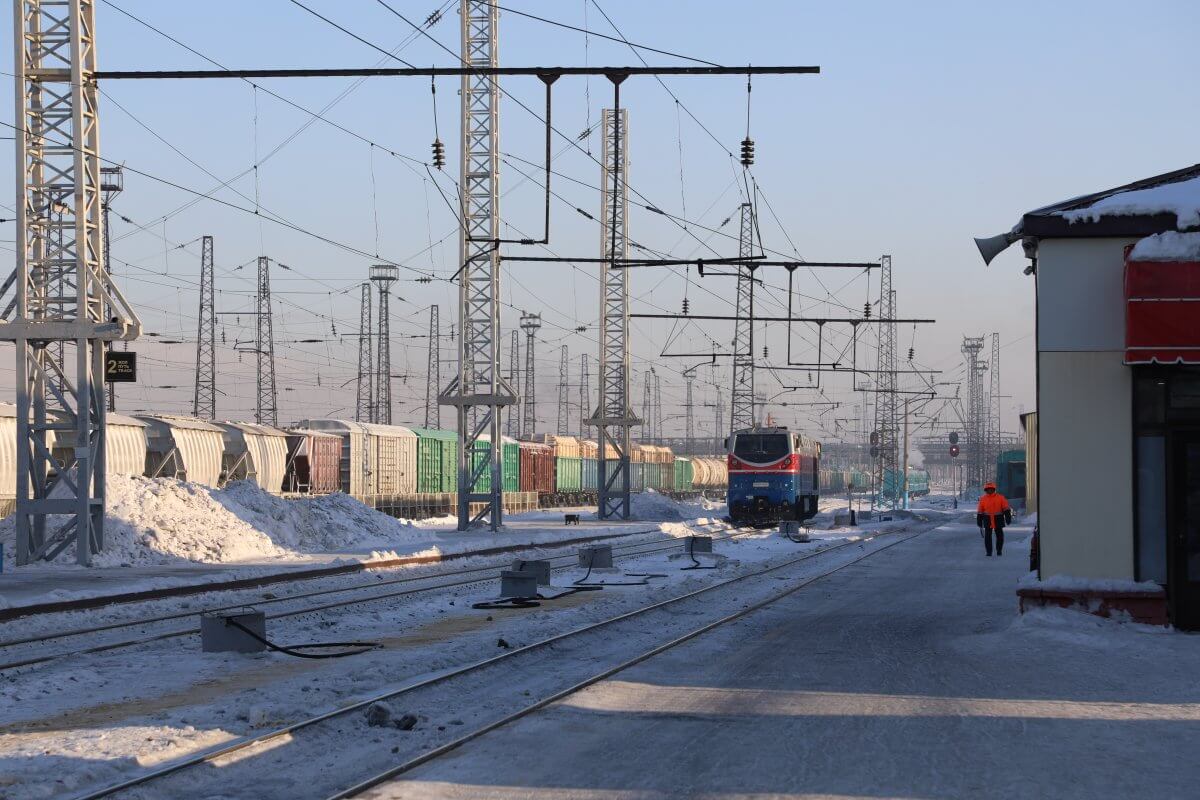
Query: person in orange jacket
(991,516)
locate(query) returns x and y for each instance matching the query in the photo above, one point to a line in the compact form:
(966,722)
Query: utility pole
(742,405)
(512,421)
(433,411)
(564,406)
(689,427)
(365,409)
(904,460)
(383,276)
(530,323)
(112,183)
(718,438)
(57,142)
(885,402)
(267,408)
(204,398)
(614,417)
(658,413)
(479,392)
(584,395)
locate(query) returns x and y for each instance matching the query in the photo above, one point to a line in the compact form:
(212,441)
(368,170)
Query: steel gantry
(613,416)
(62,296)
(742,402)
(479,392)
(204,397)
(266,411)
(886,383)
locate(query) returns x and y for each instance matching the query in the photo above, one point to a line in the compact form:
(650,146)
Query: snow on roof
(1167,246)
(1181,198)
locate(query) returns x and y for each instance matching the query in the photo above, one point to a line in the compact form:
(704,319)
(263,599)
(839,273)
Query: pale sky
(930,123)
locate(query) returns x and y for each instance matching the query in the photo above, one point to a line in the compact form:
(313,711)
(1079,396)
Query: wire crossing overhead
(267,409)
(479,392)
(204,398)
(64,306)
(614,417)
(469,70)
(742,400)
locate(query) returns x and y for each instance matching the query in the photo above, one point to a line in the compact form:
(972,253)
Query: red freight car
(314,462)
(537,468)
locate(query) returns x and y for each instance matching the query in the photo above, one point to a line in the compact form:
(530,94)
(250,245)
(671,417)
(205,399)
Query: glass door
(1184,523)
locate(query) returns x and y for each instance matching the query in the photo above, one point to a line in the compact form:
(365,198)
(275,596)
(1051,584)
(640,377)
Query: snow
(1181,198)
(1167,246)
(158,521)
(1071,583)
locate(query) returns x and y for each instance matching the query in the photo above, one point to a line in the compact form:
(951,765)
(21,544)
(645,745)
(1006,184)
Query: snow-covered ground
(88,719)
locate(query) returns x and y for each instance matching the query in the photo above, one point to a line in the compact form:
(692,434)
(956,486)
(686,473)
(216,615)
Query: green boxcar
(511,465)
(684,473)
(437,460)
(568,474)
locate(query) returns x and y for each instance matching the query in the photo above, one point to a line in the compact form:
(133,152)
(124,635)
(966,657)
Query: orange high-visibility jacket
(994,505)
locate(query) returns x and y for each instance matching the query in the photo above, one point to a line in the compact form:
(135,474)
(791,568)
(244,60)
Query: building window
(1151,509)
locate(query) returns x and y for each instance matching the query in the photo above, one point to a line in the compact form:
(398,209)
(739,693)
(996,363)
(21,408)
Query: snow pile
(1167,246)
(652,505)
(1181,198)
(1070,583)
(165,521)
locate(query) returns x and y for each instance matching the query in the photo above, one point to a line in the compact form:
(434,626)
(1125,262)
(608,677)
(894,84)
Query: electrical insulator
(764,351)
(866,310)
(439,153)
(810,377)
(747,151)
(910,354)
(685,306)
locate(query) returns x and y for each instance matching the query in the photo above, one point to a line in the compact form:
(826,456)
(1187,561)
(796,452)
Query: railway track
(429,582)
(237,766)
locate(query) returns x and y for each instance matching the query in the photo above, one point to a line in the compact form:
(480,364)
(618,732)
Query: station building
(1117,448)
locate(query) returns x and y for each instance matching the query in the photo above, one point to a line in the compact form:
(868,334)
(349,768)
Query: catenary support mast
(614,417)
(885,401)
(204,397)
(364,410)
(62,294)
(530,323)
(564,403)
(433,411)
(742,402)
(478,392)
(267,408)
(383,276)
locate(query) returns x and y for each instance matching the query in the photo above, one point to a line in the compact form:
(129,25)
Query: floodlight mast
(62,294)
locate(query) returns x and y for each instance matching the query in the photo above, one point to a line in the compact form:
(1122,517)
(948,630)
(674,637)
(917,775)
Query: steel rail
(254,741)
(672,542)
(442,750)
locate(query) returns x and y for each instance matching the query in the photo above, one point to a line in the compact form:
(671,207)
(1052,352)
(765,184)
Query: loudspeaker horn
(993,246)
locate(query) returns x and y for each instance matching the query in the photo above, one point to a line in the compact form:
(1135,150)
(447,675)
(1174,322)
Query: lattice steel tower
(886,384)
(972,346)
(383,276)
(658,411)
(584,395)
(512,419)
(742,402)
(564,404)
(994,406)
(267,408)
(530,323)
(364,410)
(204,397)
(689,425)
(433,411)
(479,392)
(61,292)
(613,416)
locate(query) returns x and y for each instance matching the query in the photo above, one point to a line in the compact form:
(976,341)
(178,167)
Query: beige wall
(1085,502)
(1085,438)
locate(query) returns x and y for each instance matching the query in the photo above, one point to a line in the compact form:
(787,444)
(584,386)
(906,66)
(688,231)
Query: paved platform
(908,675)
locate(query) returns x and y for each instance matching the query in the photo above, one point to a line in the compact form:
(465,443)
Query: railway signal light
(954,451)
(953,437)
(874,437)
(874,452)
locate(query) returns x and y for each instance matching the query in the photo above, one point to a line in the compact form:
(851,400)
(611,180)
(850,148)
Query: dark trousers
(987,540)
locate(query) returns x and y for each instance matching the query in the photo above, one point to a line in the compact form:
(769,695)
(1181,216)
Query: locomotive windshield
(761,447)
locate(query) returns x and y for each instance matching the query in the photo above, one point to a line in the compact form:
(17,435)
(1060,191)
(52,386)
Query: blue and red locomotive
(773,476)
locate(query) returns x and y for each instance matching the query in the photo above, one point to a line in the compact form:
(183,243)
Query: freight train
(774,475)
(400,470)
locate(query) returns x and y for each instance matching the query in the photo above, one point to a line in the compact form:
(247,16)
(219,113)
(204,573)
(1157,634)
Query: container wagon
(437,460)
(377,460)
(537,468)
(314,462)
